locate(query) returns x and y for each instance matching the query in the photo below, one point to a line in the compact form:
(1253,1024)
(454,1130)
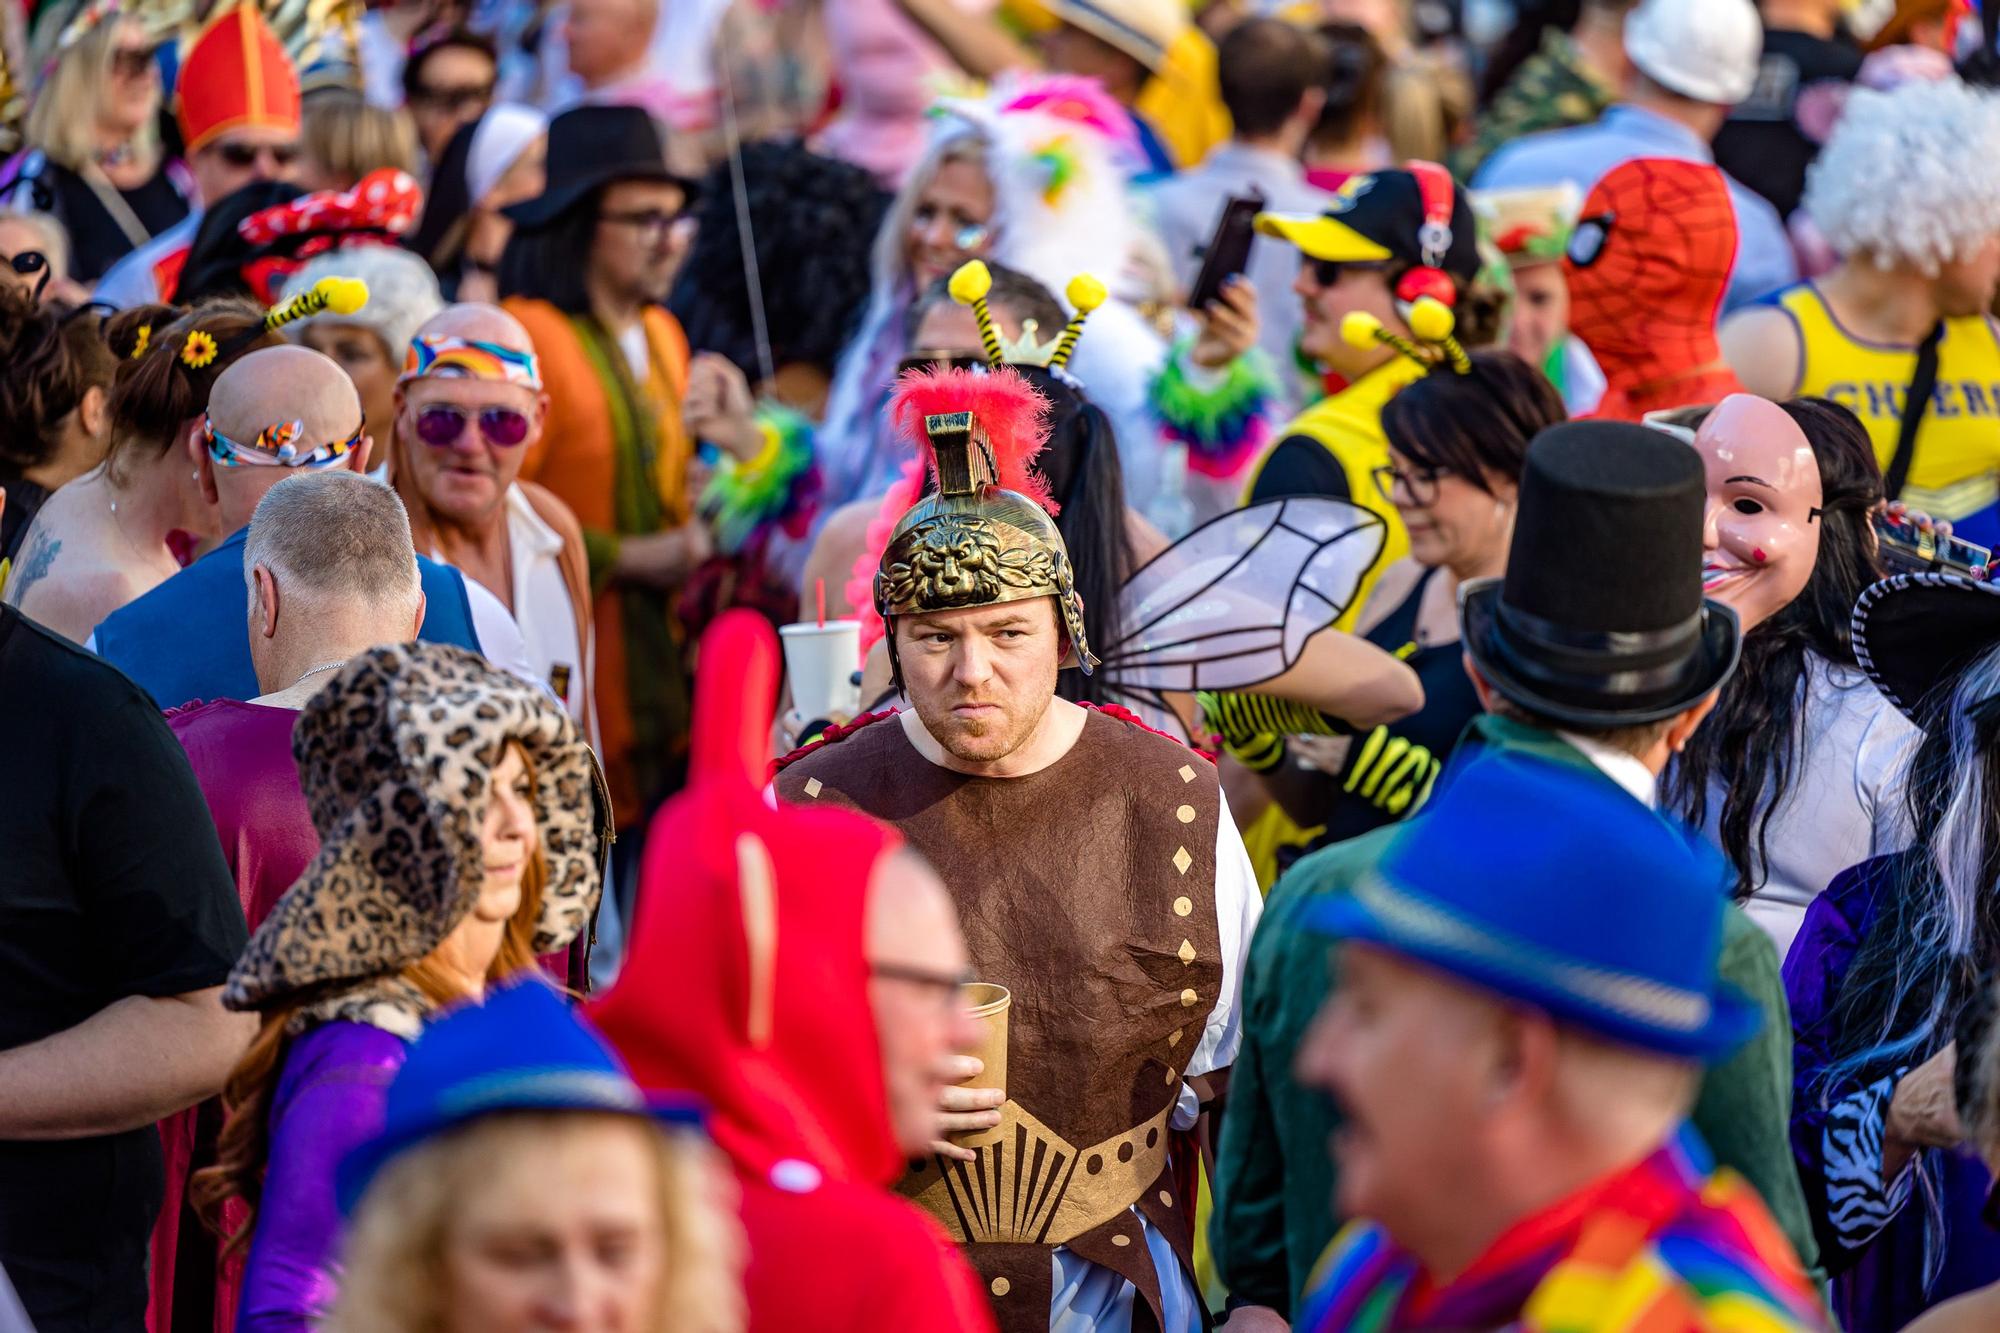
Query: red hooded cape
(747,984)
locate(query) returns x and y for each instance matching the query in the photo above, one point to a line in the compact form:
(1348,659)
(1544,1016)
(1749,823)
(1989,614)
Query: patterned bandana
(468,358)
(275,446)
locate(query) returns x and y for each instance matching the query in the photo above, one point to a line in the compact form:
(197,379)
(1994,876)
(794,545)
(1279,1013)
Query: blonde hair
(394,1252)
(345,137)
(63,120)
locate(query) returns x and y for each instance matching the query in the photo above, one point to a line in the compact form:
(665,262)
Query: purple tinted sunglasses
(442,424)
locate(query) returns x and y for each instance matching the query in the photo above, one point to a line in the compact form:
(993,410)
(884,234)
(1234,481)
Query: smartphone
(1228,250)
(1908,549)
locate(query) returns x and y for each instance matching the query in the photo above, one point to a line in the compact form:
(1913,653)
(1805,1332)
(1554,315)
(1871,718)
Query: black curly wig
(814,220)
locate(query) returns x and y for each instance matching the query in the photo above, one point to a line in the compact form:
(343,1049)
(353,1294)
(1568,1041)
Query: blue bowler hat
(1555,888)
(524,1049)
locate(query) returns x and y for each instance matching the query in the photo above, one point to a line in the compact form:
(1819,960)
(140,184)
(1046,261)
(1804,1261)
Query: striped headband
(468,358)
(275,446)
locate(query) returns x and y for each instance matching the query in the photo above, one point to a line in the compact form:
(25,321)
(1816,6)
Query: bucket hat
(1552,887)
(524,1049)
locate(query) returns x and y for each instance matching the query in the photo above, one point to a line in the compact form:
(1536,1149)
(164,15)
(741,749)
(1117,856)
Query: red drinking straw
(819,593)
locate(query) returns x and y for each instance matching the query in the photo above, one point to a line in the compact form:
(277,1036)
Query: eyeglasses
(1421,485)
(442,424)
(30,262)
(132,62)
(457,101)
(653,224)
(1329,272)
(244,156)
(941,360)
(946,986)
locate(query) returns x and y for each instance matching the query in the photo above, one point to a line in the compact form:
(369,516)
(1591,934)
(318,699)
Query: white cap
(1704,49)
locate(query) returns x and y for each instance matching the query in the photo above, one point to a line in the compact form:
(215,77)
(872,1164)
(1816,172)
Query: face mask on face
(1762,530)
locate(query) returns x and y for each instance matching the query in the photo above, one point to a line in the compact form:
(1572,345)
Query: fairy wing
(1232,604)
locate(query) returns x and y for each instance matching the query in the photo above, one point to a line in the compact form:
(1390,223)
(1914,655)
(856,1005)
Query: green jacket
(1273,1176)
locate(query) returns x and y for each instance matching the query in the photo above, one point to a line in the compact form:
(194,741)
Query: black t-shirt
(1299,465)
(1761,143)
(112,884)
(96,240)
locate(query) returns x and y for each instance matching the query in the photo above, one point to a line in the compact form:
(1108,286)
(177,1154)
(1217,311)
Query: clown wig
(1910,176)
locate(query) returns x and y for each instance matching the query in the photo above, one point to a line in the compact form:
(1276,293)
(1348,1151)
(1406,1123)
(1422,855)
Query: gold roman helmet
(973,542)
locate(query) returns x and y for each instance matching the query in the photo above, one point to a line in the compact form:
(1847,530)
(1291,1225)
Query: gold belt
(1028,1185)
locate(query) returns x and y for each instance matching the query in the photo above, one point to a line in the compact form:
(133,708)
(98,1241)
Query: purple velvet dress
(1871,1230)
(330,1097)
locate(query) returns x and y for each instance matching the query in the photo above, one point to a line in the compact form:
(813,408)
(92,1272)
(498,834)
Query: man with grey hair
(276,413)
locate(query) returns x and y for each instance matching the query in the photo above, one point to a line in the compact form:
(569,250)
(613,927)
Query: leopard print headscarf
(396,755)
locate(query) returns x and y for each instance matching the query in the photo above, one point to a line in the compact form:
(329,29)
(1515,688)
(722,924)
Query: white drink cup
(820,661)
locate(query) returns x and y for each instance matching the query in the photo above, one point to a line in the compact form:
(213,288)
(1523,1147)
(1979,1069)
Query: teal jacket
(1274,1180)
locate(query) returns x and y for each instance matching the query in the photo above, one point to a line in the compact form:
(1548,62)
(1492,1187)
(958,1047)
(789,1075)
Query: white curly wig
(1911,175)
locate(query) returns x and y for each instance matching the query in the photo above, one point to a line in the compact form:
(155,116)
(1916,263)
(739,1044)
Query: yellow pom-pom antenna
(1360,330)
(1086,293)
(968,286)
(340,296)
(971,282)
(1430,319)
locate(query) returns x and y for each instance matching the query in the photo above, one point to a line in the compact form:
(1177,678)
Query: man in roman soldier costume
(1096,868)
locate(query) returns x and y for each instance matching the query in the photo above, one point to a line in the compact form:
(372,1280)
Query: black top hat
(1600,621)
(590,146)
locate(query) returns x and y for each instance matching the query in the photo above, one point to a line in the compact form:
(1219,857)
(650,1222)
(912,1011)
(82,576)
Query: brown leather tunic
(1088,890)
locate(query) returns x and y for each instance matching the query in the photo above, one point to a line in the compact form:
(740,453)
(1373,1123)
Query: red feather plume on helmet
(1015,417)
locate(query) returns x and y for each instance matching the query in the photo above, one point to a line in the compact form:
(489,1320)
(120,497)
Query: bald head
(270,387)
(476,321)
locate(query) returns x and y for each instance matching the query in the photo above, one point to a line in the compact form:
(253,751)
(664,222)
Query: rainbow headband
(275,446)
(468,358)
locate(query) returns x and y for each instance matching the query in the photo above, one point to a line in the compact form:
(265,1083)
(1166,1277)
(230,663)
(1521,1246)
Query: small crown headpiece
(969,286)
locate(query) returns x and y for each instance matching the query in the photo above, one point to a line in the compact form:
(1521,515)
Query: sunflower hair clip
(198,350)
(140,342)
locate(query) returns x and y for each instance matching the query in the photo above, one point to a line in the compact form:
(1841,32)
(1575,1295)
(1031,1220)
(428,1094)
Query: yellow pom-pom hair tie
(339,296)
(968,286)
(1085,294)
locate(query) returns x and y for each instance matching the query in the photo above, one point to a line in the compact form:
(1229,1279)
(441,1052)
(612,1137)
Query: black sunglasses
(243,156)
(133,62)
(457,101)
(1329,272)
(30,262)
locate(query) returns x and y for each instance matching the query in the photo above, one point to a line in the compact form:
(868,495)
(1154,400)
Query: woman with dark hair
(491,164)
(1888,962)
(1457,444)
(448,83)
(1794,775)
(1348,139)
(814,220)
(110,535)
(54,417)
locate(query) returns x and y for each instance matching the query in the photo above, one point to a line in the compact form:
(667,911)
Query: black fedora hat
(1599,620)
(1914,633)
(590,146)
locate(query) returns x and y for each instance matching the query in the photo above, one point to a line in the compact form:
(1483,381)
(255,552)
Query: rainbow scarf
(1668,1244)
